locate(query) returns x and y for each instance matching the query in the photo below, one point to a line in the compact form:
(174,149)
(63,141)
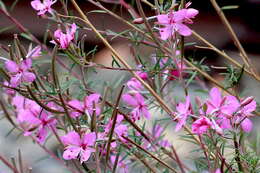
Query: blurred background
(244,20)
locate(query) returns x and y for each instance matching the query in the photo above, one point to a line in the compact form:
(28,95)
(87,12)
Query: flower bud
(138,21)
(247,101)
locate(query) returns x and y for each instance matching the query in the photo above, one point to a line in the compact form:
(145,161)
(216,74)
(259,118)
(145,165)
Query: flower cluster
(32,118)
(135,99)
(218,113)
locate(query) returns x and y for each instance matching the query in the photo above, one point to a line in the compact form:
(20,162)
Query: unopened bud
(138,21)
(247,101)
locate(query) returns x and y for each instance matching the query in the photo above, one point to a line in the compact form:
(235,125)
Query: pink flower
(8,90)
(201,125)
(247,106)
(175,22)
(136,101)
(120,129)
(183,111)
(45,123)
(77,146)
(90,102)
(64,39)
(20,72)
(42,7)
(230,110)
(221,105)
(134,84)
(27,110)
(32,118)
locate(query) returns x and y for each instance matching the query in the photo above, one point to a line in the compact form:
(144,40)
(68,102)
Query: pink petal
(180,15)
(157,131)
(18,101)
(64,42)
(26,64)
(249,108)
(231,106)
(191,13)
(16,80)
(71,152)
(92,98)
(134,84)
(183,29)
(11,66)
(35,52)
(139,98)
(58,33)
(41,135)
(166,32)
(28,77)
(37,5)
(76,104)
(181,123)
(75,114)
(84,155)
(129,99)
(247,125)
(89,139)
(163,19)
(121,130)
(73,29)
(145,112)
(119,119)
(216,127)
(71,138)
(215,95)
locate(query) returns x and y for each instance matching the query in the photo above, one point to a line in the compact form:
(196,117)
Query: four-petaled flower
(32,118)
(42,7)
(77,146)
(64,39)
(136,101)
(20,72)
(183,111)
(176,21)
(88,106)
(120,129)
